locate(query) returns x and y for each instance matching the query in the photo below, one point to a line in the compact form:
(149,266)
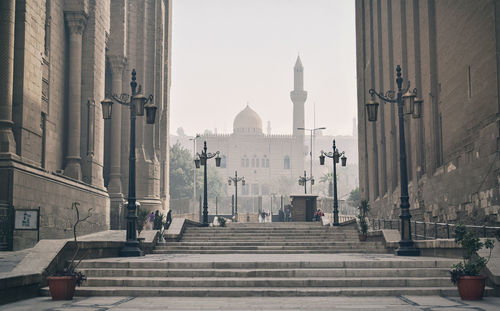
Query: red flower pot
(471,287)
(62,287)
(362,237)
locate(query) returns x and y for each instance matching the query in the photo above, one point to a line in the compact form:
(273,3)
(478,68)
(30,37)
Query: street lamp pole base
(407,248)
(131,250)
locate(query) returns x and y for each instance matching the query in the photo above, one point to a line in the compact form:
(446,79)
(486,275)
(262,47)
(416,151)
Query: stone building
(449,50)
(58,58)
(265,160)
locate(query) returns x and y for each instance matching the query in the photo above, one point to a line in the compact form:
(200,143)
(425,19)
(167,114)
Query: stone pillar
(76,24)
(115,184)
(7,21)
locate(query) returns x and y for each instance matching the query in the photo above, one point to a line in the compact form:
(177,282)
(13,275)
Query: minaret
(298,96)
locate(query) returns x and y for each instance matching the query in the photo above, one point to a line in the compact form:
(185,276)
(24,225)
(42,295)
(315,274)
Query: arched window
(263,163)
(286,163)
(246,162)
(253,162)
(267,163)
(242,162)
(257,162)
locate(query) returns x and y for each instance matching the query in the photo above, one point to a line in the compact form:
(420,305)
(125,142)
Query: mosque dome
(247,122)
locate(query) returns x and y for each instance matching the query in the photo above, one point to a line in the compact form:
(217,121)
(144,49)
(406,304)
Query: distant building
(449,52)
(267,161)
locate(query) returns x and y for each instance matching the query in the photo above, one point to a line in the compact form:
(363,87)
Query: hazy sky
(226,53)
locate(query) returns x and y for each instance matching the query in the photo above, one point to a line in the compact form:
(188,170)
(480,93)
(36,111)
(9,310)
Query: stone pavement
(411,303)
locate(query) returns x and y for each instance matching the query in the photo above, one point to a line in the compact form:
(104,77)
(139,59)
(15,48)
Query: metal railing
(434,230)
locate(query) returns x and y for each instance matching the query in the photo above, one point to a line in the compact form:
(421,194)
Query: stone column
(7,21)
(115,184)
(76,24)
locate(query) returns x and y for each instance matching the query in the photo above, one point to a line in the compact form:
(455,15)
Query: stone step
(243,230)
(352,264)
(269,251)
(268,243)
(264,291)
(269,247)
(267,282)
(270,273)
(277,237)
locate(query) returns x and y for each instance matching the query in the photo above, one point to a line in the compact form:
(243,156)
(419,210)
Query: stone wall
(448,50)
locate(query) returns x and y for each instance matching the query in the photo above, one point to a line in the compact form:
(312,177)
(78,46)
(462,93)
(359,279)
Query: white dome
(247,122)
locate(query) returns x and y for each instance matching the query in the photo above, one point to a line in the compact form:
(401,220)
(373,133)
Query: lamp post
(312,131)
(137,103)
(194,170)
(407,104)
(235,180)
(202,160)
(335,155)
(303,181)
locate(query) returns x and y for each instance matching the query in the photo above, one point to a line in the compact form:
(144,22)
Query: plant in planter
(222,221)
(466,274)
(62,285)
(142,218)
(363,208)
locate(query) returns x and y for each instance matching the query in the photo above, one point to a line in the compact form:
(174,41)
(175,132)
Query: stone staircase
(269,238)
(242,260)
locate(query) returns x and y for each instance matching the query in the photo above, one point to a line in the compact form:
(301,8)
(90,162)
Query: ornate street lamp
(137,104)
(235,180)
(407,104)
(303,181)
(336,156)
(202,160)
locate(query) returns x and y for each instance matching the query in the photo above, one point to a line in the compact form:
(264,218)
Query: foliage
(181,172)
(142,218)
(181,175)
(222,221)
(158,221)
(327,177)
(354,198)
(472,263)
(364,207)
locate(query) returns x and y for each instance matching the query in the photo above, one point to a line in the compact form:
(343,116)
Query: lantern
(322,158)
(417,110)
(344,160)
(217,161)
(197,162)
(138,101)
(150,113)
(409,101)
(371,110)
(107,105)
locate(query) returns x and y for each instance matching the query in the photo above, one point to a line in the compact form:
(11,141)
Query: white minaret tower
(298,96)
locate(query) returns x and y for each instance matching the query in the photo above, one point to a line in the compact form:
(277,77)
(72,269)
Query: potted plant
(62,285)
(466,274)
(222,221)
(364,207)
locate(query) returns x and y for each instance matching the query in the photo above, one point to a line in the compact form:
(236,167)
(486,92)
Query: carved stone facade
(449,51)
(59,58)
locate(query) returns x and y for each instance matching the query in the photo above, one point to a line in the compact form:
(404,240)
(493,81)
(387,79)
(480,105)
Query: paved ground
(9,260)
(411,303)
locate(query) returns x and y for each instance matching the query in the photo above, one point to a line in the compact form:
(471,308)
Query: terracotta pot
(362,237)
(471,287)
(62,287)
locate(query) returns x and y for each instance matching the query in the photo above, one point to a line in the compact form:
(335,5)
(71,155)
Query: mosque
(265,160)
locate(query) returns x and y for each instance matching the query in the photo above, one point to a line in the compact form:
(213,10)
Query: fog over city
(227,53)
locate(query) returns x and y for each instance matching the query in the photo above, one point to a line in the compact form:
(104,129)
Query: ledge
(177,227)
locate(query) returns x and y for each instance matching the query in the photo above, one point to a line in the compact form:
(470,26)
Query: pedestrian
(169,219)
(151,219)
